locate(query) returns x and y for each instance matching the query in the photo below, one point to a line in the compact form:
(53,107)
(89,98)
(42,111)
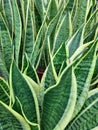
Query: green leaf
(3,69)
(28,27)
(75,42)
(40,7)
(8,14)
(5,85)
(6,43)
(38,39)
(25,4)
(49,33)
(96,128)
(92,96)
(53,10)
(59,102)
(38,90)
(76,56)
(80,15)
(60,56)
(9,119)
(84,70)
(92,34)
(96,68)
(80,51)
(91,23)
(30,70)
(29,39)
(35,86)
(60,35)
(4,91)
(37,45)
(26,95)
(37,19)
(17,29)
(93,8)
(74,9)
(70,5)
(87,119)
(49,77)
(24,62)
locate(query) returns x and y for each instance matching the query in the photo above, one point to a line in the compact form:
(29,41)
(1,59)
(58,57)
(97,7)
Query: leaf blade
(15,121)
(53,116)
(28,101)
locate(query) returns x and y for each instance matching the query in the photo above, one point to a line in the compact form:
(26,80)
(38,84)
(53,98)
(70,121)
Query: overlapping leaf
(91,22)
(6,43)
(29,38)
(84,71)
(38,39)
(80,15)
(4,91)
(60,35)
(9,119)
(53,10)
(26,95)
(75,42)
(8,15)
(40,7)
(17,29)
(88,118)
(3,69)
(59,102)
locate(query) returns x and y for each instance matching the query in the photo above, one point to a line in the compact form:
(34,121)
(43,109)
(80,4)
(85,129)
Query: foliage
(57,40)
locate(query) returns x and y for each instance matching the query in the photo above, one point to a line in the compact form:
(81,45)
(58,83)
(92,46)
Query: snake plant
(59,40)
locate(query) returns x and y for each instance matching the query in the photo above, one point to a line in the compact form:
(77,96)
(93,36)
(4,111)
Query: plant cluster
(48,65)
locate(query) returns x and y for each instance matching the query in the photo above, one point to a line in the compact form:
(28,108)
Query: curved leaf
(96,128)
(84,70)
(92,34)
(8,15)
(50,32)
(34,85)
(26,95)
(40,7)
(3,69)
(25,4)
(80,51)
(53,69)
(9,119)
(60,56)
(80,15)
(59,102)
(30,70)
(87,119)
(38,39)
(5,85)
(91,27)
(96,68)
(17,29)
(92,95)
(29,39)
(6,43)
(75,42)
(70,5)
(53,10)
(60,35)
(4,91)
(91,22)
(49,77)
